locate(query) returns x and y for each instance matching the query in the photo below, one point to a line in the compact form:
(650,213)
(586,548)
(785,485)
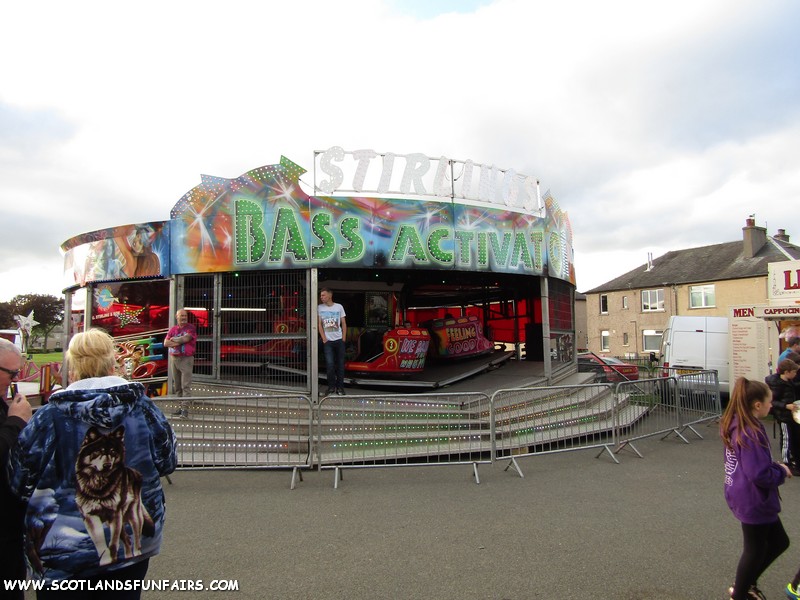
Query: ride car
(607,368)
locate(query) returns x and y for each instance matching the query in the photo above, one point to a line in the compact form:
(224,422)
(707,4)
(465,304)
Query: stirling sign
(413,174)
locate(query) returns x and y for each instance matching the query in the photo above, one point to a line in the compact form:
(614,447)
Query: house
(626,316)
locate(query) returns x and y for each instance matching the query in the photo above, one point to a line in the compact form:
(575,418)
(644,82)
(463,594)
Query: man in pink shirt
(180,341)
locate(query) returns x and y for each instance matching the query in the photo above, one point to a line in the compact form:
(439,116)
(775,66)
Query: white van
(697,343)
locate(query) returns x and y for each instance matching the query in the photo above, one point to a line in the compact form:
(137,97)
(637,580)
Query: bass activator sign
(264,220)
(400,212)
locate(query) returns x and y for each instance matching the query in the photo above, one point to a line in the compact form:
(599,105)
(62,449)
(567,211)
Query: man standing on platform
(332,331)
(181,340)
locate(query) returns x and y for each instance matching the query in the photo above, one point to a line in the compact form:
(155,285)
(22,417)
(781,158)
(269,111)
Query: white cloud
(655,125)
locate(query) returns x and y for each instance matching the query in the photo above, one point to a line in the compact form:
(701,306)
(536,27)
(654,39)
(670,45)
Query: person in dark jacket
(751,484)
(794,357)
(15,412)
(784,395)
(89,465)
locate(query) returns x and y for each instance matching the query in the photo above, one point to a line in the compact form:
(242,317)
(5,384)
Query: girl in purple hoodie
(752,478)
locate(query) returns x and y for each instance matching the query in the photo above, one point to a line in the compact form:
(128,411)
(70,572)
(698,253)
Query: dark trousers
(135,571)
(334,361)
(762,544)
(12,566)
(790,442)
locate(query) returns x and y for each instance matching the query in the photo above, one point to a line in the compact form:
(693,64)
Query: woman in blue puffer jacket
(89,465)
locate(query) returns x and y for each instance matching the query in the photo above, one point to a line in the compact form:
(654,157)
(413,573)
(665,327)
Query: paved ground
(575,527)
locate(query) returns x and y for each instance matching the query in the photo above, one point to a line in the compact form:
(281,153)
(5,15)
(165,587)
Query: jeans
(334,361)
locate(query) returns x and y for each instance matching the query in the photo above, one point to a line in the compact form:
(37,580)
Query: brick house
(626,316)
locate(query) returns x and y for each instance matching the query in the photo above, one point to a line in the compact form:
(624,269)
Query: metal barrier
(541,420)
(246,430)
(675,404)
(403,430)
(698,394)
(656,399)
(699,398)
(228,432)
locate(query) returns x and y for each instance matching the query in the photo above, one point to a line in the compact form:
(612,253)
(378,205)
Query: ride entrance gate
(251,326)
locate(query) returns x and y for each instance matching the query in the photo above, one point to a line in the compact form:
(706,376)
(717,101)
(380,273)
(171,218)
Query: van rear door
(717,355)
(688,351)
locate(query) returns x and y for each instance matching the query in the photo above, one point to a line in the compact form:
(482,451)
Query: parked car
(607,368)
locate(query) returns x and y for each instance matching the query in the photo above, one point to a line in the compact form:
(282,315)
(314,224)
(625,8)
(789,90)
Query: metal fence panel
(658,401)
(251,327)
(700,399)
(540,420)
(403,430)
(242,431)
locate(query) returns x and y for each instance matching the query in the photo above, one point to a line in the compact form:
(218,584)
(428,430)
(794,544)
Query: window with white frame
(625,339)
(702,296)
(605,338)
(651,340)
(603,304)
(652,300)
(624,303)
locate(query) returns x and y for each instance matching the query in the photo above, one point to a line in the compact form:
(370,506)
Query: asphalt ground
(575,527)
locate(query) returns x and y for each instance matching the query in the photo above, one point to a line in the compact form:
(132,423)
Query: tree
(47,310)
(7,316)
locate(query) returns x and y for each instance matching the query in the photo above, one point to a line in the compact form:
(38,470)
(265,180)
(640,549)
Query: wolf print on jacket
(109,494)
(89,464)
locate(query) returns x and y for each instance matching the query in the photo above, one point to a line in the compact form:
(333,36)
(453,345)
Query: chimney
(754,238)
(781,236)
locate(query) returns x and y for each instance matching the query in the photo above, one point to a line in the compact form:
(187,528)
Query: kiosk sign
(784,281)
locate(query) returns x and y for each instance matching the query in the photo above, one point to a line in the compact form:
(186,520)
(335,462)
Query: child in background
(751,484)
(784,395)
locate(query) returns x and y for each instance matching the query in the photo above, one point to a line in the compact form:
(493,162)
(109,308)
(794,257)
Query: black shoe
(753,593)
(340,392)
(330,392)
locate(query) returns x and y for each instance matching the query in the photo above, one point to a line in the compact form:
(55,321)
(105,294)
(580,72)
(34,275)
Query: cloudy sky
(656,125)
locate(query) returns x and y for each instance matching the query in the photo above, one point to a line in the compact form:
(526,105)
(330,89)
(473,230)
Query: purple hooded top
(752,478)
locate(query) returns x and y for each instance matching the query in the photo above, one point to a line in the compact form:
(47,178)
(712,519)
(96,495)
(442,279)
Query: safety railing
(700,399)
(656,400)
(403,430)
(243,432)
(541,420)
(698,394)
(674,404)
(436,429)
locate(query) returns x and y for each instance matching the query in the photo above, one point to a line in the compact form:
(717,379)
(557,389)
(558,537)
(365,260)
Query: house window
(652,300)
(603,304)
(624,339)
(624,303)
(702,296)
(605,336)
(651,340)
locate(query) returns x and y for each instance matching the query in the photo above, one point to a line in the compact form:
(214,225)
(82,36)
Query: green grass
(50,357)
